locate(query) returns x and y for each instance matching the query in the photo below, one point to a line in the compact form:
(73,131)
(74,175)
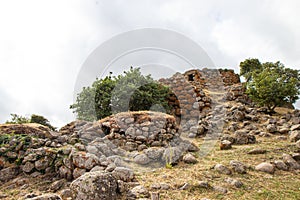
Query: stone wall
(237,93)
(229,77)
(189,99)
(79,147)
(139,130)
(190,96)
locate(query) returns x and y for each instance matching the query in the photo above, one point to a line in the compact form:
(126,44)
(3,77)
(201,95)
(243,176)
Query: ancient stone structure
(191,96)
(196,93)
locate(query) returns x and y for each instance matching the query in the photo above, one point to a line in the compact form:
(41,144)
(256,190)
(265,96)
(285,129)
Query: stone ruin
(123,141)
(196,93)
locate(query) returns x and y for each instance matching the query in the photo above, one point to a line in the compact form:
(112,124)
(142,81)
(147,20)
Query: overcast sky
(43,44)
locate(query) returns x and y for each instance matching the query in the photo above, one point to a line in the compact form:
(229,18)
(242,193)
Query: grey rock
(85,160)
(222,169)
(239,115)
(30,157)
(66,194)
(192,135)
(130,132)
(229,138)
(234,182)
(238,167)
(204,184)
(142,147)
(284,130)
(298,144)
(124,174)
(35,174)
(189,158)
(295,136)
(225,145)
(295,127)
(296,156)
(194,129)
(11,154)
(56,185)
(164,186)
(220,189)
(154,153)
(271,128)
(130,146)
(290,162)
(122,186)
(140,191)
(9,173)
(279,164)
(172,155)
(141,159)
(94,185)
(79,146)
(65,172)
(28,167)
(78,172)
(155,186)
(257,151)
(42,163)
(111,167)
(129,120)
(98,168)
(265,167)
(243,137)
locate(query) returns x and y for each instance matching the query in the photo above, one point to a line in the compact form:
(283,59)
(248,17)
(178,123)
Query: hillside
(216,145)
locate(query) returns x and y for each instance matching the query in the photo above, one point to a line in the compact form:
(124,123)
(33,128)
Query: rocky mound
(110,147)
(99,160)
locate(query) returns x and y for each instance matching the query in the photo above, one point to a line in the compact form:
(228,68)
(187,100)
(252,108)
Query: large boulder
(94,185)
(9,173)
(295,136)
(243,137)
(265,167)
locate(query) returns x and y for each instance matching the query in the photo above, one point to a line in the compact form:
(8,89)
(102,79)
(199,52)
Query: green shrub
(130,91)
(271,84)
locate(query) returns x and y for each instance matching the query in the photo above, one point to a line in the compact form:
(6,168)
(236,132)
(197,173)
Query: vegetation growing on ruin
(130,91)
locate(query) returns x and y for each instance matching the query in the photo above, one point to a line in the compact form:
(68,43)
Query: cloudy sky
(43,44)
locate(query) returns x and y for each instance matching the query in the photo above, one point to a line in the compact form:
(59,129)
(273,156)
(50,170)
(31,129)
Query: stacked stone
(139,130)
(141,137)
(229,77)
(237,93)
(213,79)
(189,99)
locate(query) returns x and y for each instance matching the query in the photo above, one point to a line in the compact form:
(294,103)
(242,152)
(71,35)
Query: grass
(257,185)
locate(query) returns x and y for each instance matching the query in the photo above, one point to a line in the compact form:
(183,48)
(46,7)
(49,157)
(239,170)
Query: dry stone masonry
(95,160)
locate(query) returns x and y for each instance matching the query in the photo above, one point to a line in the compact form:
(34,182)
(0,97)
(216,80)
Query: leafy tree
(250,66)
(17,119)
(41,120)
(274,85)
(129,91)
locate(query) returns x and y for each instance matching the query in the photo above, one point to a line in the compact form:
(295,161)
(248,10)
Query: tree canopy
(130,91)
(250,66)
(19,119)
(271,84)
